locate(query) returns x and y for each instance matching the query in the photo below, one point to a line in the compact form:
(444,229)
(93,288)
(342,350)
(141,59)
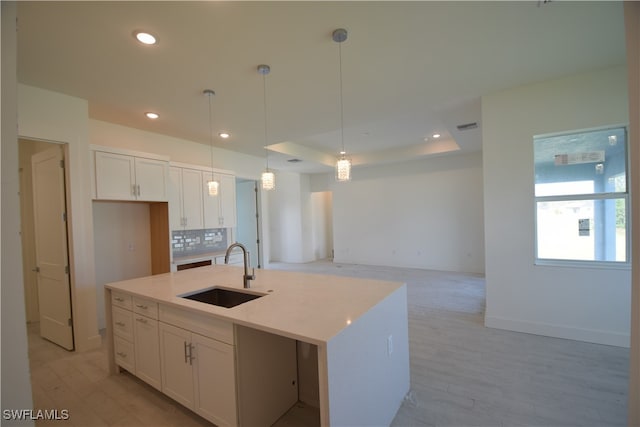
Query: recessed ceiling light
(151,115)
(224,135)
(145,38)
(436,135)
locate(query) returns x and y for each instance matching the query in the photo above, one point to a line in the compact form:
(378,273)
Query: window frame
(625,195)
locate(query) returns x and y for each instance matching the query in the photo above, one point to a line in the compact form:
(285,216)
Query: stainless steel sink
(221,297)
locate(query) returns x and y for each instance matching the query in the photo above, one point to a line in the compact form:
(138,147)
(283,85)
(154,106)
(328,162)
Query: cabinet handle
(142,320)
(138,190)
(191,356)
(119,299)
(185,352)
(144,307)
(121,354)
(119,323)
(133,190)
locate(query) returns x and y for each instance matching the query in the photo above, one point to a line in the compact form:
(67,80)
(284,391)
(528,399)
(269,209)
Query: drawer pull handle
(141,320)
(121,354)
(144,307)
(120,324)
(119,299)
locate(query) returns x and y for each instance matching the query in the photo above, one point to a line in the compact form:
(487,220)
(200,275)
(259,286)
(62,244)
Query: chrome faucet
(246,277)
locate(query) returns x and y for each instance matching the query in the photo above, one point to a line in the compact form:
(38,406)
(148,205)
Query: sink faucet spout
(246,278)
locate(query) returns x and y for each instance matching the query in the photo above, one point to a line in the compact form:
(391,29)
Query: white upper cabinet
(185,199)
(128,177)
(220,210)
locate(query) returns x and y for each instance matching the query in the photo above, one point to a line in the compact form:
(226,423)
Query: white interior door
(54,296)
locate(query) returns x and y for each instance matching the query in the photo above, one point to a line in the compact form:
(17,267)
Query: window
(581,197)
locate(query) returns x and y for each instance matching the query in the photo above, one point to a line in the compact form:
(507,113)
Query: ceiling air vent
(294,160)
(468,126)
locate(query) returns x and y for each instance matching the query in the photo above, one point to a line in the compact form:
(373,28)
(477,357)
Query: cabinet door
(147,344)
(114,176)
(214,379)
(175,199)
(152,178)
(192,209)
(227,200)
(211,204)
(175,366)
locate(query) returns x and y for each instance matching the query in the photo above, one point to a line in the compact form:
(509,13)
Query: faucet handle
(253,274)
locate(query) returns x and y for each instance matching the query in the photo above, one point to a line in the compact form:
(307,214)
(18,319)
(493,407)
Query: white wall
(589,304)
(16,385)
(51,116)
(322,224)
(122,233)
(422,214)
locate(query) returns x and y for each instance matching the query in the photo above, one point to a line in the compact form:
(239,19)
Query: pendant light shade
(268,180)
(343,165)
(343,169)
(212,184)
(268,177)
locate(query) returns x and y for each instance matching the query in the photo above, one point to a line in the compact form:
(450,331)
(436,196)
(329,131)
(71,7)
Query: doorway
(43,208)
(248,225)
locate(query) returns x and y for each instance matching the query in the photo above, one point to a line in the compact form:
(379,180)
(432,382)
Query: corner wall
(588,304)
(16,381)
(632,29)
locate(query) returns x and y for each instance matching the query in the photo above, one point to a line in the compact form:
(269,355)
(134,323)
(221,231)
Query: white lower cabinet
(199,373)
(135,337)
(147,344)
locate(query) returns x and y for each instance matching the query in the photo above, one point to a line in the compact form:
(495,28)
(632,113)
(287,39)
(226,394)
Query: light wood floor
(462,374)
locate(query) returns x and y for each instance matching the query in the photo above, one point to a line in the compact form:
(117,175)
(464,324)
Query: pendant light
(343,165)
(212,184)
(268,178)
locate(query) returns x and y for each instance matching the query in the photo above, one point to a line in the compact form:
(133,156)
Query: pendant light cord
(264,100)
(209,94)
(341,107)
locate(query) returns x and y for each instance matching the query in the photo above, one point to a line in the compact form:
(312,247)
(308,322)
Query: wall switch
(389,345)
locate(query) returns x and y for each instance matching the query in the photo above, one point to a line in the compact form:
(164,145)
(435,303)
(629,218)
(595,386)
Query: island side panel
(367,376)
(111,360)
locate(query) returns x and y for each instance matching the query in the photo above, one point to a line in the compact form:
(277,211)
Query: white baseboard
(558,331)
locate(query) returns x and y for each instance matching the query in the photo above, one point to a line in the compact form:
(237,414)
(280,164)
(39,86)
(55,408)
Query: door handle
(36,270)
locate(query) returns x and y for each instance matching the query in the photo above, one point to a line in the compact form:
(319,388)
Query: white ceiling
(410,69)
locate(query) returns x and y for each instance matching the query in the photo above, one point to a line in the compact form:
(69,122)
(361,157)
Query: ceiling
(409,69)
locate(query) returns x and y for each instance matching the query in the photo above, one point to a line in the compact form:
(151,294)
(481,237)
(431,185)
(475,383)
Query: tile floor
(462,374)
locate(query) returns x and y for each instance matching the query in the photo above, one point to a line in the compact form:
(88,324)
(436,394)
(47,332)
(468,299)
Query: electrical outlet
(389,345)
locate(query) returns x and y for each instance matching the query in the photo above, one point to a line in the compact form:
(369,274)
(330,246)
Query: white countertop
(307,307)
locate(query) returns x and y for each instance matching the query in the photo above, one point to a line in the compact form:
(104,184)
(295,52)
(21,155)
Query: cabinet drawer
(211,327)
(124,354)
(145,307)
(121,300)
(122,323)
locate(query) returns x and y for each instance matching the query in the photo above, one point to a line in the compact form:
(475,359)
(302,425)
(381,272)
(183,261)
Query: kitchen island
(357,327)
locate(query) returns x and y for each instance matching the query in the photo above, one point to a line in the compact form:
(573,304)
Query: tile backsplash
(196,242)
